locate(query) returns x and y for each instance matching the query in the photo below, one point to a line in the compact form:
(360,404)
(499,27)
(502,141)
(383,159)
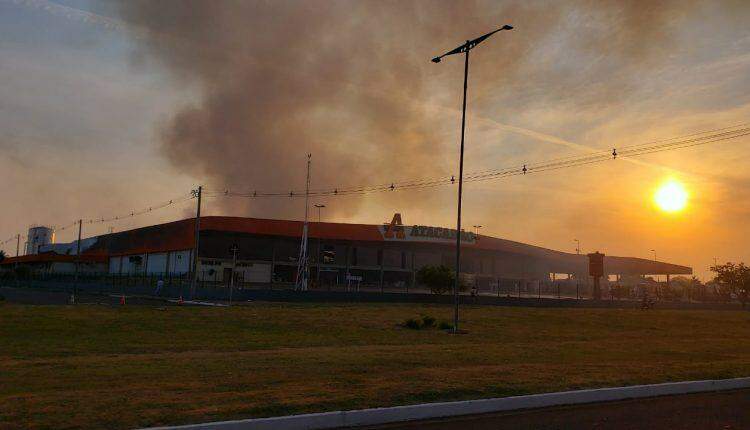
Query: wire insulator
(614,153)
(524,170)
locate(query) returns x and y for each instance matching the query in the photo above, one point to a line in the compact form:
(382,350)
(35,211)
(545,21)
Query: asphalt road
(723,411)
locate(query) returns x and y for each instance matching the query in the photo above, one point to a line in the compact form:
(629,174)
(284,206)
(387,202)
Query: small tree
(439,279)
(732,280)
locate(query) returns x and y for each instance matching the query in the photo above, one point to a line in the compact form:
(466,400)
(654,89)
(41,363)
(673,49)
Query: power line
(681,142)
(121,217)
(686,141)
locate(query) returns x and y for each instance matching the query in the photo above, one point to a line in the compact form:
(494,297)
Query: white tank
(37,237)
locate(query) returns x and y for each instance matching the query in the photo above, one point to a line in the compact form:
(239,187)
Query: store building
(385,255)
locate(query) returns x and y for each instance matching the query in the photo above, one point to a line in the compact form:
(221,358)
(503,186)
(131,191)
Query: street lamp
(578,246)
(476,230)
(317,275)
(463,49)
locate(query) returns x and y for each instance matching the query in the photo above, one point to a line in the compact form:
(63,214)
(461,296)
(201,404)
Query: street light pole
(317,275)
(465,48)
(578,246)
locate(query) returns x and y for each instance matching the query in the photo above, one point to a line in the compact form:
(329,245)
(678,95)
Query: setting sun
(671,196)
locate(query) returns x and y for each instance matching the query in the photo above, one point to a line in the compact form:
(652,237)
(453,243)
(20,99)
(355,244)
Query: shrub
(428,321)
(444,325)
(412,324)
(438,279)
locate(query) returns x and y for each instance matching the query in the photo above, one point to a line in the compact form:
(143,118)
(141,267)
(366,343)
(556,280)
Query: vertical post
(273,263)
(413,273)
(193,280)
(318,259)
(231,281)
(460,191)
(78,261)
(18,247)
(303,265)
(382,261)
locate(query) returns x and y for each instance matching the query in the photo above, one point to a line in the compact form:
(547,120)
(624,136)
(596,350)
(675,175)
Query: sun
(671,196)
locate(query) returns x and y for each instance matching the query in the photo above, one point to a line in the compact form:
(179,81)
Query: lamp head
(436,60)
(507,27)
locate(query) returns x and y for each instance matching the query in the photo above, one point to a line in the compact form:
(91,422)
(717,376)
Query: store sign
(396,231)
(596,264)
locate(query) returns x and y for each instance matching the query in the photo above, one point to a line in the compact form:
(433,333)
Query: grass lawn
(100,367)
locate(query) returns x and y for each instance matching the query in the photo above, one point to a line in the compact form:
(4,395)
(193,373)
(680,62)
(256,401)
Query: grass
(101,367)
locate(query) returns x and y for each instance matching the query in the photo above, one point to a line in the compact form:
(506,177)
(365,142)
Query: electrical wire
(681,142)
(686,141)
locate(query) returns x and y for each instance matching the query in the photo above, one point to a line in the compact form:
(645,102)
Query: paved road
(722,411)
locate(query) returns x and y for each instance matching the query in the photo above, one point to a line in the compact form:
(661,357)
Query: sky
(112,107)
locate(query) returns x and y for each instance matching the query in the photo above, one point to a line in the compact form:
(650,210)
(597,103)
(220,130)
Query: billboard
(396,231)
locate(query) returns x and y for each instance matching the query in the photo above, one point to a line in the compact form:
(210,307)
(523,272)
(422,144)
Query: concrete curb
(368,417)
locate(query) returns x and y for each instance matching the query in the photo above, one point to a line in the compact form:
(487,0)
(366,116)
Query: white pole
(303,268)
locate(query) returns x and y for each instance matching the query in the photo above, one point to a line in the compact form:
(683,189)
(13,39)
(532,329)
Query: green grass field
(102,367)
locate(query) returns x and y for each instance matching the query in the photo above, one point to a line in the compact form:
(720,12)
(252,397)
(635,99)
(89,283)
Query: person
(647,302)
(159,286)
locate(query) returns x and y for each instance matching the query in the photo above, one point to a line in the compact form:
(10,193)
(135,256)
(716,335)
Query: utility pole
(303,267)
(578,246)
(78,262)
(463,49)
(194,279)
(317,275)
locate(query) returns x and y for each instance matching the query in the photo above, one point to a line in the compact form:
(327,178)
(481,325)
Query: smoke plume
(351,82)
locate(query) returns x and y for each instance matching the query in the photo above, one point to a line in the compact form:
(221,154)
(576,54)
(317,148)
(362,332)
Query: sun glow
(671,196)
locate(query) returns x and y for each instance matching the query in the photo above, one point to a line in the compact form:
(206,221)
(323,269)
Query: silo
(39,235)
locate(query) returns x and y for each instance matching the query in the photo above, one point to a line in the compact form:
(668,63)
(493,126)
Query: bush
(439,279)
(445,325)
(412,324)
(428,321)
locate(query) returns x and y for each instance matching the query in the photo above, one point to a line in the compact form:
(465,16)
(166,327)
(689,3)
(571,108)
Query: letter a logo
(395,228)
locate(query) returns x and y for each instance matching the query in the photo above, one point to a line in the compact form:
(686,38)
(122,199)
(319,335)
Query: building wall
(65,267)
(179,262)
(133,264)
(115,265)
(157,263)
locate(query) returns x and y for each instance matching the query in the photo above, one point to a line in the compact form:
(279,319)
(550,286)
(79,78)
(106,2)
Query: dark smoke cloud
(345,80)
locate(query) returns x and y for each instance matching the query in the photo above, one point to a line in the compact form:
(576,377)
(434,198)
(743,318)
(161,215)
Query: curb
(369,417)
